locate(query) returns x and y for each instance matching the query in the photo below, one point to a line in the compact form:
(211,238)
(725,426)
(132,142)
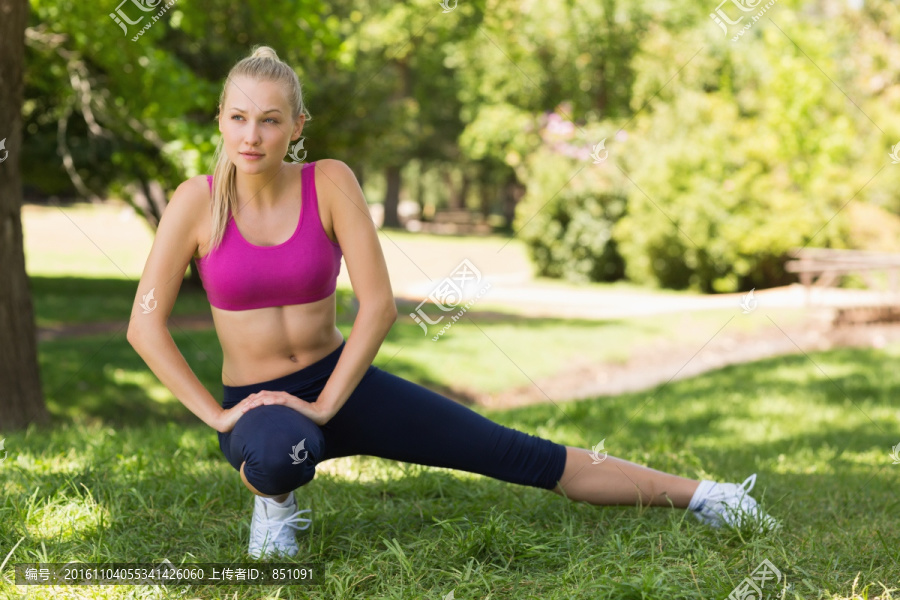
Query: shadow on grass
(102,378)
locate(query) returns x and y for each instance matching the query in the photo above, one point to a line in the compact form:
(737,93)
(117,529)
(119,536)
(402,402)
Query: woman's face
(256,124)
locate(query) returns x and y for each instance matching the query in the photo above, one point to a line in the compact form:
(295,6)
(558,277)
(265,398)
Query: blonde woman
(269,237)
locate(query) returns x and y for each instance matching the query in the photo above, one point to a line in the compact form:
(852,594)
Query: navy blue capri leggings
(385,416)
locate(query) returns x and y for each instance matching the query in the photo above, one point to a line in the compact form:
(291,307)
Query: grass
(128,475)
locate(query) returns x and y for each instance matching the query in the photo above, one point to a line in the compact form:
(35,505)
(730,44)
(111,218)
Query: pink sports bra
(238,275)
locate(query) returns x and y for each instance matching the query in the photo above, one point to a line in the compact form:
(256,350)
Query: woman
(295,392)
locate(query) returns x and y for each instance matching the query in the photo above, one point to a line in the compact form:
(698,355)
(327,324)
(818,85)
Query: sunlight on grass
(145,380)
(62,518)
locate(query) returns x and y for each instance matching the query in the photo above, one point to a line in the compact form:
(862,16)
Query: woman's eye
(268,119)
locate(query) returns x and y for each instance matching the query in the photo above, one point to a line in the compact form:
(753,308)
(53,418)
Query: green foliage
(729,154)
(751,151)
(571,207)
(735,155)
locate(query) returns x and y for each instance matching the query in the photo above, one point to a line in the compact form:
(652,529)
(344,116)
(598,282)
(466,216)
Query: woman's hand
(229,417)
(315,412)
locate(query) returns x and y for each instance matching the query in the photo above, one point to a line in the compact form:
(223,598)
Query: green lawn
(128,475)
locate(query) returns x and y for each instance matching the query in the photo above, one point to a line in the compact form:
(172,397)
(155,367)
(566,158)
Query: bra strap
(308,180)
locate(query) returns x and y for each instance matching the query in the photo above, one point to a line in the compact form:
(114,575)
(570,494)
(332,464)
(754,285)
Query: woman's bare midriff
(267,343)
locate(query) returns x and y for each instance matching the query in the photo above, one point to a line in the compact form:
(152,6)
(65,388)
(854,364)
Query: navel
(293,358)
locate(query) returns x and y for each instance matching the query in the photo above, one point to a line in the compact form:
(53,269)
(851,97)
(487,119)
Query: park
(608,225)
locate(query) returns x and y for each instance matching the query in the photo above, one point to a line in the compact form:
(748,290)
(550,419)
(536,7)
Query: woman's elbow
(389,310)
(137,333)
(386,309)
(392,310)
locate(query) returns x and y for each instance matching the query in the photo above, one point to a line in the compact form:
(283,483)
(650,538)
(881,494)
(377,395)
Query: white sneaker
(729,503)
(272,529)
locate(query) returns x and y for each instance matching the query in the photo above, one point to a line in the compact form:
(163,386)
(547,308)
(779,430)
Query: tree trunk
(420,190)
(487,191)
(464,190)
(392,197)
(453,198)
(21,397)
(512,193)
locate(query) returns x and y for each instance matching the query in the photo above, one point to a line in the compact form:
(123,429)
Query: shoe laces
(275,526)
(734,499)
(744,487)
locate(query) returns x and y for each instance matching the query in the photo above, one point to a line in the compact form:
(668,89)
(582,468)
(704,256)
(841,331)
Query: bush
(567,222)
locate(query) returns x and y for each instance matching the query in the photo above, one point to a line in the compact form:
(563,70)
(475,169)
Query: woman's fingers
(265,397)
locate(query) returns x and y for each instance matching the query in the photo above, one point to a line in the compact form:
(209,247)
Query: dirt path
(663,362)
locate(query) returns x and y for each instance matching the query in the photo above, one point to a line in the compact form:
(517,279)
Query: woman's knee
(282,454)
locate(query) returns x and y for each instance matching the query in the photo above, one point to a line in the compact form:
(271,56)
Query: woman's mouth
(251,155)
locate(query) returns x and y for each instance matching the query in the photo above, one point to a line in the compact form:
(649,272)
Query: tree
(137,121)
(21,399)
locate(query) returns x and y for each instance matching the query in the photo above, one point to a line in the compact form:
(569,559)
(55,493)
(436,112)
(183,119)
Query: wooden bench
(823,267)
(455,222)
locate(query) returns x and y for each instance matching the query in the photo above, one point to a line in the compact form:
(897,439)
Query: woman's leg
(394,418)
(617,481)
(275,448)
(278,498)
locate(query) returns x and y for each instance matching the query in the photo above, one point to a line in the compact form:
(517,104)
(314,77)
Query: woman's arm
(355,232)
(173,246)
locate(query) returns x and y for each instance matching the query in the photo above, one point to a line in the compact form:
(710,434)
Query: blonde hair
(263,64)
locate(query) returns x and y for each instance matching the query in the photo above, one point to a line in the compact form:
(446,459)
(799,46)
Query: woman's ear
(298,127)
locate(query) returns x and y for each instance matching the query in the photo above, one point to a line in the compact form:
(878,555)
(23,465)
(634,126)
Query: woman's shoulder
(332,166)
(336,175)
(191,201)
(194,186)
(194,191)
(190,194)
